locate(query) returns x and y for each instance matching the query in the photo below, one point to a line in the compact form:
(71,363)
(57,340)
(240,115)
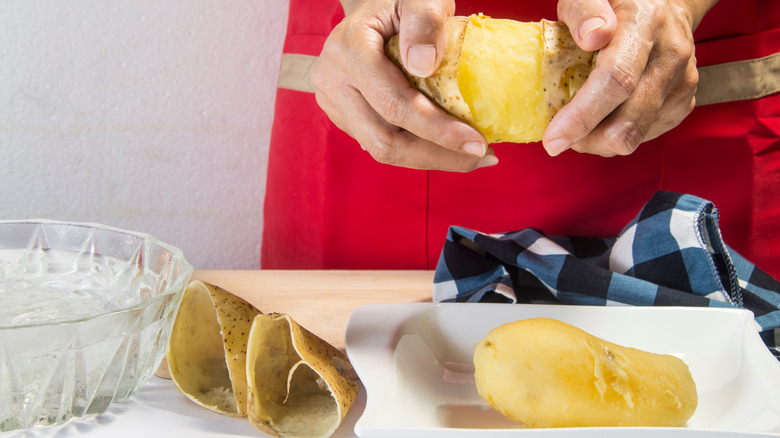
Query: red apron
(329,205)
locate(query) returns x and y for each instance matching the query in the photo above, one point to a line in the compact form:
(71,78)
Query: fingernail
(420,60)
(555,147)
(488,160)
(475,148)
(590,25)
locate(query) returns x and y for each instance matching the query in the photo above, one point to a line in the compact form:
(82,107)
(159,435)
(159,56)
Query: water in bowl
(44,286)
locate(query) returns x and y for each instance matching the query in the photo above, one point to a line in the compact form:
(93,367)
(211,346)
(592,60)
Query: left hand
(645,78)
(369,98)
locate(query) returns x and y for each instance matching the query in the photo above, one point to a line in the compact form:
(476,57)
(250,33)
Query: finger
(592,23)
(332,111)
(328,83)
(390,144)
(679,103)
(416,153)
(422,34)
(619,67)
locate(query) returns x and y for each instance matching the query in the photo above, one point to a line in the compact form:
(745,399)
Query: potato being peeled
(545,373)
(504,77)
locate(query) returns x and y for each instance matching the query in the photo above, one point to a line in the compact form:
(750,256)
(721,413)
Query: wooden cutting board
(322,301)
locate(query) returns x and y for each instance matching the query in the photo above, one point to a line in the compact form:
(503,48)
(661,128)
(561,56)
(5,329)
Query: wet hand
(645,77)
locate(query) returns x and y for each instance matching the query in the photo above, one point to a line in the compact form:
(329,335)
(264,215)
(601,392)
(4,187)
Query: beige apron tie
(295,72)
(728,82)
(741,80)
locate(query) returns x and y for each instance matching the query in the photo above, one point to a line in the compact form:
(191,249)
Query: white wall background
(148,115)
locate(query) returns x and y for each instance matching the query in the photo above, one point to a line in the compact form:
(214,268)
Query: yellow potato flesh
(545,373)
(500,78)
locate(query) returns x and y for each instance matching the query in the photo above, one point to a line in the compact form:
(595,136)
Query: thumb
(422,34)
(591,22)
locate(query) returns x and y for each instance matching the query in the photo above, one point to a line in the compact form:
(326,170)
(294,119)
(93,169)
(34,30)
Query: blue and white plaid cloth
(671,254)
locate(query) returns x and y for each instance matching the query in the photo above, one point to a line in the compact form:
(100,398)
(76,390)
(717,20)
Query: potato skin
(545,373)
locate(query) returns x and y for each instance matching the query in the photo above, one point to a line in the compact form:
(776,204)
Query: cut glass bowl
(85,315)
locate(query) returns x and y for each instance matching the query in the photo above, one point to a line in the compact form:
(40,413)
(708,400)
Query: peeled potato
(504,77)
(207,348)
(546,373)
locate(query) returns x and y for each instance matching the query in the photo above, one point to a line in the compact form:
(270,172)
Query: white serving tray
(415,361)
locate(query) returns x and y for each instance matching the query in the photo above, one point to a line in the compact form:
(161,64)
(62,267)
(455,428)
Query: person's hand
(369,98)
(645,77)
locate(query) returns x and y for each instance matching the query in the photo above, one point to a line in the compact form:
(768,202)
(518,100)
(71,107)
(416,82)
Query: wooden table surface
(322,301)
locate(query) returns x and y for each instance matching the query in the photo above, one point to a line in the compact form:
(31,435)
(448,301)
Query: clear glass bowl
(85,315)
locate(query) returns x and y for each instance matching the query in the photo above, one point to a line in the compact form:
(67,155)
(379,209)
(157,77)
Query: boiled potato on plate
(546,373)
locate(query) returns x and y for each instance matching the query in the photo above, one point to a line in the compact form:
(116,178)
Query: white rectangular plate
(415,361)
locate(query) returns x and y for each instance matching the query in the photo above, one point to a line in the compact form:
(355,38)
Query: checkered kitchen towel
(671,254)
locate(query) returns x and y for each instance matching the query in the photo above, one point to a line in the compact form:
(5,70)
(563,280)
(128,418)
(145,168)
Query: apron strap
(749,79)
(295,72)
(746,80)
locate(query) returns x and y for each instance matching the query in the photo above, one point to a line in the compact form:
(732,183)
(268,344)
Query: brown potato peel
(207,348)
(313,385)
(227,356)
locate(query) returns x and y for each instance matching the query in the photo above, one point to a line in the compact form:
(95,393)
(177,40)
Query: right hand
(369,98)
(645,79)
